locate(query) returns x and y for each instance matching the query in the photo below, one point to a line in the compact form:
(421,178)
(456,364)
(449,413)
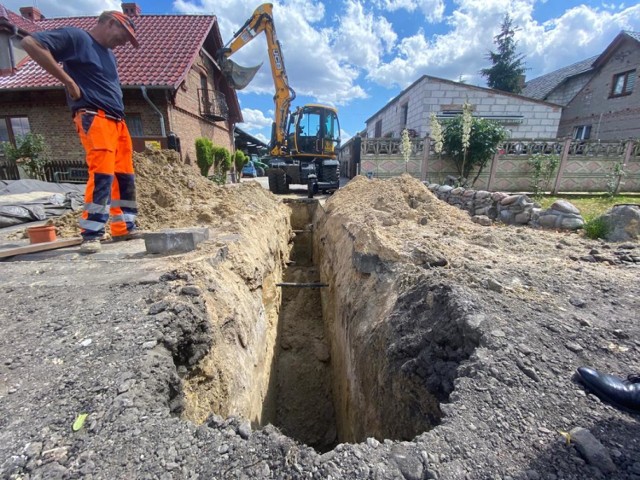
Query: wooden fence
(585,166)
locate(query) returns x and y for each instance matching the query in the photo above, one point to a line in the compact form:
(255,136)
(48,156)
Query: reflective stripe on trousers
(110,189)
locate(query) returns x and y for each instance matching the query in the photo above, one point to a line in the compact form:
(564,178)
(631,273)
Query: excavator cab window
(316,130)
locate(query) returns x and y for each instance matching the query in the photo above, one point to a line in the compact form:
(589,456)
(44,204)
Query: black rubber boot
(621,393)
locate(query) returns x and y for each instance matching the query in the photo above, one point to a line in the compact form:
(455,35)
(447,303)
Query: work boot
(132,235)
(90,246)
(621,393)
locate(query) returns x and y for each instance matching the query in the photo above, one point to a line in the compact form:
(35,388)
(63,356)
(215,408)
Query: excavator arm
(239,77)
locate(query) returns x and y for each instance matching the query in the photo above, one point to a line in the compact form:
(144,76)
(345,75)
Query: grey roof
(634,35)
(540,87)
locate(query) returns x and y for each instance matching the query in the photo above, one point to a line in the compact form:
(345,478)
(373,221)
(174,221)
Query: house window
(134,124)
(12,127)
(623,83)
(378,129)
(404,114)
(581,132)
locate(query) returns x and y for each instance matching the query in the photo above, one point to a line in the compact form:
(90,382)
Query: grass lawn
(590,206)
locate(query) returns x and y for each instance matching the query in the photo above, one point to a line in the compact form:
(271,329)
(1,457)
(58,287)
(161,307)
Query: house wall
(185,115)
(539,120)
(48,115)
(569,89)
(610,118)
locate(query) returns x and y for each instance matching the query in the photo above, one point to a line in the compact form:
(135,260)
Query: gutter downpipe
(146,97)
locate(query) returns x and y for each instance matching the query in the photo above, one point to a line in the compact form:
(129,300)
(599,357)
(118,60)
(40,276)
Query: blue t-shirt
(92,66)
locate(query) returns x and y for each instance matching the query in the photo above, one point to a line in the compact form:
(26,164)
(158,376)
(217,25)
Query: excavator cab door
(314,130)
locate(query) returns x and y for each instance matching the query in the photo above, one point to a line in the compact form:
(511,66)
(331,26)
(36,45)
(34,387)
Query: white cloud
(254,119)
(433,10)
(579,33)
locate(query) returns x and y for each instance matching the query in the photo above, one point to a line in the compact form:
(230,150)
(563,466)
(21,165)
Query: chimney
(31,13)
(131,9)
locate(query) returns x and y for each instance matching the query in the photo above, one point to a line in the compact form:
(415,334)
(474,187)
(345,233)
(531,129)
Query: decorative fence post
(563,163)
(627,157)
(494,169)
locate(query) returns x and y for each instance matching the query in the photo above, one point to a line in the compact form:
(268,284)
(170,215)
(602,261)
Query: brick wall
(49,115)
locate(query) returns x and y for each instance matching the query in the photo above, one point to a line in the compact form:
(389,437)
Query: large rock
(623,223)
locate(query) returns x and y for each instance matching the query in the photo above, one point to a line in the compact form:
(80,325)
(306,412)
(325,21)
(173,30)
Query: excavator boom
(262,21)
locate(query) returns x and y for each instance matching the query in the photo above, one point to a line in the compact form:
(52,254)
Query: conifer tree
(508,66)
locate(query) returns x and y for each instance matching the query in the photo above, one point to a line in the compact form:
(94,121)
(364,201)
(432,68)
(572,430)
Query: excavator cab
(313,130)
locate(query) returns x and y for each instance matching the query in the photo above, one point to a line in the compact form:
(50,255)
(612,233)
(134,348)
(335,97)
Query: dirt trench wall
(398,333)
(238,277)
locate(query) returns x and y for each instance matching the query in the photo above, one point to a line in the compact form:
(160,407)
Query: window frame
(625,77)
(582,132)
(12,135)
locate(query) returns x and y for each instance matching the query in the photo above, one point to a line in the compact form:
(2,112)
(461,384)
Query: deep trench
(400,375)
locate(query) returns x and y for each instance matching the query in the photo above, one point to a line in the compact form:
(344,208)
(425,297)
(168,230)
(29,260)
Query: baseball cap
(127,23)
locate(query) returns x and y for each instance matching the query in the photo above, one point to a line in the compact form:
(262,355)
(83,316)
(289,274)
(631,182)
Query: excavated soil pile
(171,194)
(439,322)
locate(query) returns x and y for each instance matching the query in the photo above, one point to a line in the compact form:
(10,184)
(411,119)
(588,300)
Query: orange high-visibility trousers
(110,189)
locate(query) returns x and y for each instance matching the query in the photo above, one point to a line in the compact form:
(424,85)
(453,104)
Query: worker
(90,77)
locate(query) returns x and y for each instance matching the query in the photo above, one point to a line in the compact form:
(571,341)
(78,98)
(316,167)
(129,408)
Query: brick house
(600,97)
(170,84)
(523,117)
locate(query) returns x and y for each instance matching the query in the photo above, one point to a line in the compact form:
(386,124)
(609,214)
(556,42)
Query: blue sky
(357,55)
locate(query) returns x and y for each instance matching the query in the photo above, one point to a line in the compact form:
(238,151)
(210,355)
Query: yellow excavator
(303,142)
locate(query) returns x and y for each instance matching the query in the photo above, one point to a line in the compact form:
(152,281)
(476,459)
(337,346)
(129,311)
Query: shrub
(543,167)
(483,140)
(204,155)
(240,160)
(31,151)
(222,159)
(596,228)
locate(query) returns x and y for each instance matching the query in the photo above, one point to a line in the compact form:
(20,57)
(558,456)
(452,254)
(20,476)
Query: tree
(484,138)
(508,66)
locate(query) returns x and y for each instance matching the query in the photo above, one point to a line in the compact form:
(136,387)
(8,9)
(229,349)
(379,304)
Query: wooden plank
(40,247)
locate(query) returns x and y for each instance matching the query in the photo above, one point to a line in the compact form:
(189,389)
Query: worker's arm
(43,57)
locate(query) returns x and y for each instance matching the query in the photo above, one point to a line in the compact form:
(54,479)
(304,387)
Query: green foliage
(484,138)
(542,169)
(596,228)
(222,159)
(240,160)
(204,155)
(31,151)
(614,178)
(219,178)
(508,67)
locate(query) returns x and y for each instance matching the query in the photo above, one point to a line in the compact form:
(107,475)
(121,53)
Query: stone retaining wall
(486,207)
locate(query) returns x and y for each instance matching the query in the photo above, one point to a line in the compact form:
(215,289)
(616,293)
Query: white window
(581,132)
(623,83)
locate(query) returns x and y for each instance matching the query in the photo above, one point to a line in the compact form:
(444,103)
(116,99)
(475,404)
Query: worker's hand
(73,90)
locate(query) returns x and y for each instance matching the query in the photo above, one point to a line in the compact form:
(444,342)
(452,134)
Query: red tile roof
(18,20)
(169,44)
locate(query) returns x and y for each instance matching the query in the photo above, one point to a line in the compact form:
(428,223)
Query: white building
(523,117)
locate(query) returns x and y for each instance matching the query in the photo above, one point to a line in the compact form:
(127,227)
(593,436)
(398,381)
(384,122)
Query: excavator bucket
(237,75)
